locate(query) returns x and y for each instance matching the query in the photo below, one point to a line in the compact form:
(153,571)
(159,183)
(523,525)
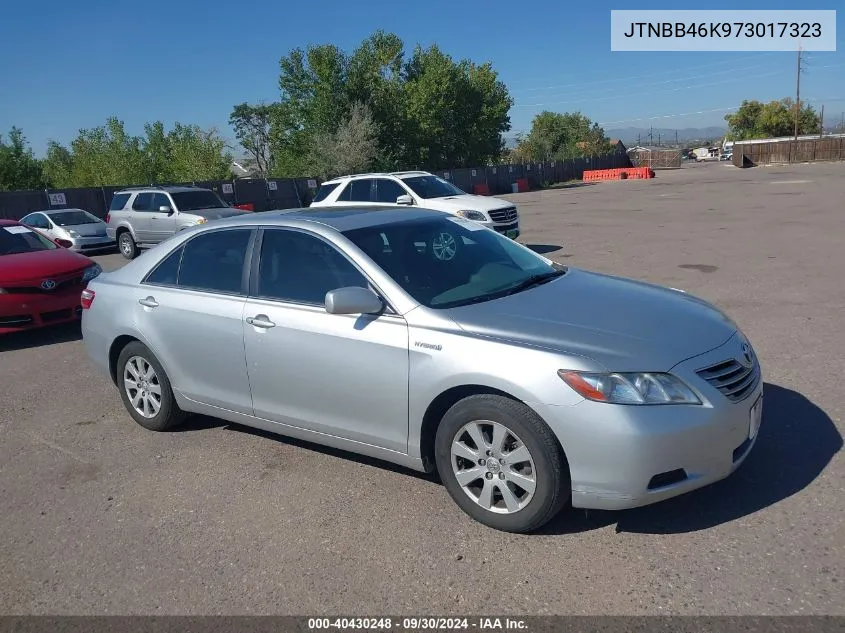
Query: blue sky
(69,65)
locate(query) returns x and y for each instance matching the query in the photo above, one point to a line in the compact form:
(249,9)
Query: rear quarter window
(325,191)
(118,201)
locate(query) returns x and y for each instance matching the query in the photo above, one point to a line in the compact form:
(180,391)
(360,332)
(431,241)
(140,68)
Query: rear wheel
(128,247)
(145,389)
(501,463)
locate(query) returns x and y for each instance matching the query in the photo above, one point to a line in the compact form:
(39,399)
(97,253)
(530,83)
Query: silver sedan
(75,229)
(432,342)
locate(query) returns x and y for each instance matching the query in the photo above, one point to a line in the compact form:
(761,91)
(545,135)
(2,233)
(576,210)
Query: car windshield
(449,262)
(18,239)
(195,200)
(432,187)
(73,218)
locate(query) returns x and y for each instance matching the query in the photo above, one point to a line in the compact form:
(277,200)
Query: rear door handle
(149,302)
(260,320)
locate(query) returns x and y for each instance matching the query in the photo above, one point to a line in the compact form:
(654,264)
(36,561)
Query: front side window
(432,187)
(388,190)
(301,268)
(160,200)
(449,262)
(215,261)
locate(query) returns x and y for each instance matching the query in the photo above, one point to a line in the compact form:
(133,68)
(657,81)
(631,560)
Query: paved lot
(100,516)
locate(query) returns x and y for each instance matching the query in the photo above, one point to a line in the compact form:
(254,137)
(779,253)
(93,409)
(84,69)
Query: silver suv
(140,217)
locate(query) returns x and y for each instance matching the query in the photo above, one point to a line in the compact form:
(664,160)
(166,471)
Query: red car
(40,282)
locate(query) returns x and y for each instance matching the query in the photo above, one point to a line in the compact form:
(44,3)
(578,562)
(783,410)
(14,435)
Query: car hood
(217,213)
(40,265)
(622,324)
(86,230)
(469,202)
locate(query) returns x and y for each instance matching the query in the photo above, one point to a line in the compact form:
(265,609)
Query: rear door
(139,216)
(162,225)
(357,191)
(190,309)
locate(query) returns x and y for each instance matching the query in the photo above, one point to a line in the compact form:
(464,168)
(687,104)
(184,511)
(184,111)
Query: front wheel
(501,463)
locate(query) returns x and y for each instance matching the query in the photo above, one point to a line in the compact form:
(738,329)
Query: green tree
(252,129)
(19,169)
(774,119)
(559,136)
(350,149)
(197,154)
(428,111)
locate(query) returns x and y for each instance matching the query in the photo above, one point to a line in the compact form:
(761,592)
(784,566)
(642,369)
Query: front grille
(732,378)
(67,284)
(503,215)
(507,227)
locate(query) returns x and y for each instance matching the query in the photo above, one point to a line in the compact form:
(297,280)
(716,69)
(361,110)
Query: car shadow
(50,335)
(796,443)
(204,422)
(542,249)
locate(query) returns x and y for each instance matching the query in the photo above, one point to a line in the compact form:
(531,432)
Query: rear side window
(167,272)
(215,261)
(324,191)
(143,202)
(357,191)
(118,201)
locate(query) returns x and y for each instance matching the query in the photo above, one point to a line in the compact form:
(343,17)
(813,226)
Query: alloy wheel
(142,386)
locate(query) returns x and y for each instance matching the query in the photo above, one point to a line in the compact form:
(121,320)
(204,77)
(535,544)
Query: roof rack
(159,187)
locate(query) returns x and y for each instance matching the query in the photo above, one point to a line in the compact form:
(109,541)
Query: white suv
(421,189)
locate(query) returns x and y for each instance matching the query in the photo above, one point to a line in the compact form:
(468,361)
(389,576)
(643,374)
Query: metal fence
(657,159)
(789,151)
(291,193)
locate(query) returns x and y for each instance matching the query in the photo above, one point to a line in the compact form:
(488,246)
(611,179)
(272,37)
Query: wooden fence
(789,151)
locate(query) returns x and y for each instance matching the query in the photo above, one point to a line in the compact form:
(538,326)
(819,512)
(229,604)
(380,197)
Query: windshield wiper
(534,280)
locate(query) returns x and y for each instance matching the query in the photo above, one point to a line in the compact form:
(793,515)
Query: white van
(420,189)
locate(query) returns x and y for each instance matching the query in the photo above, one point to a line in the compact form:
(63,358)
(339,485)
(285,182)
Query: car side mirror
(165,209)
(406,200)
(353,300)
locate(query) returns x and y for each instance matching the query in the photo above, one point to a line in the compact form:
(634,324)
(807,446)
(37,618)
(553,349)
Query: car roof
(166,188)
(382,174)
(340,218)
(51,211)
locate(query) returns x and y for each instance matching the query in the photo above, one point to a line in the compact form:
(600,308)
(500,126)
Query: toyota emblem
(48,284)
(747,354)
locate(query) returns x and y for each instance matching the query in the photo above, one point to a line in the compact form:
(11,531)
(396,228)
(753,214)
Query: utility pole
(676,137)
(821,126)
(658,139)
(798,92)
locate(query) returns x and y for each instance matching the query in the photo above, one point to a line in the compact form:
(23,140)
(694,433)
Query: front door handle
(260,320)
(149,302)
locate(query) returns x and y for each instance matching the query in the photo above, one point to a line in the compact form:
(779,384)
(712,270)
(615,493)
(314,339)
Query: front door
(162,225)
(344,375)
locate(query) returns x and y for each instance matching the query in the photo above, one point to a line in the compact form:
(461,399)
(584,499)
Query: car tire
(139,377)
(127,246)
(545,466)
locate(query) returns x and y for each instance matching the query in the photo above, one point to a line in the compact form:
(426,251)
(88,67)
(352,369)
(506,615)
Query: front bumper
(85,244)
(508,229)
(629,456)
(19,312)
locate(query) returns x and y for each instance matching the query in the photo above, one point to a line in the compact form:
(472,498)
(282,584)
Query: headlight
(478,216)
(201,221)
(91,272)
(630,388)
(72,233)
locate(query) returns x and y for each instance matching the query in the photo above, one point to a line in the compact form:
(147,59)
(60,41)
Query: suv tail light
(108,218)
(87,298)
(64,243)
